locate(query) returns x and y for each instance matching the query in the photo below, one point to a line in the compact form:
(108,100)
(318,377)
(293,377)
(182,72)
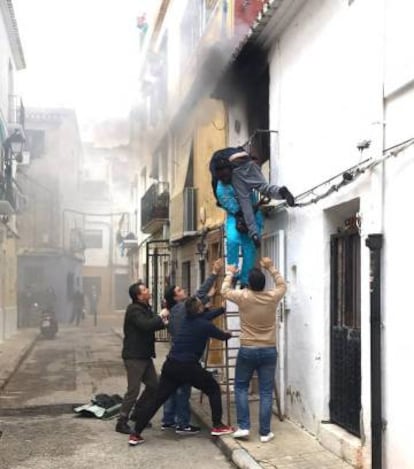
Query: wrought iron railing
(155,205)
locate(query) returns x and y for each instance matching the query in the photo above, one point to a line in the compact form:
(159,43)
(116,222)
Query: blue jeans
(177,407)
(263,361)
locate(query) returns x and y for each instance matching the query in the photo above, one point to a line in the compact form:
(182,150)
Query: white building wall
(325,96)
(398,321)
(327,72)
(5,58)
(398,344)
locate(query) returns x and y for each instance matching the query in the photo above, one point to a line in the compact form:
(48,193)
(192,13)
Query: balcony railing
(154,207)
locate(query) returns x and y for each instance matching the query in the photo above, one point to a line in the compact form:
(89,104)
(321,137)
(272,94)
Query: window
(193,25)
(34,275)
(93,239)
(186,276)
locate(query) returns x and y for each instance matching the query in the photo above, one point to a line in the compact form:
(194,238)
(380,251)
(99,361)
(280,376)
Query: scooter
(48,325)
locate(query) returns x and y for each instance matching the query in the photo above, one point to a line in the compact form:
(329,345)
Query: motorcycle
(48,325)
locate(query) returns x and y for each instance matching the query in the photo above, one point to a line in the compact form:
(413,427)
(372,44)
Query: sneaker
(122,427)
(241,433)
(168,426)
(266,438)
(188,430)
(222,430)
(134,439)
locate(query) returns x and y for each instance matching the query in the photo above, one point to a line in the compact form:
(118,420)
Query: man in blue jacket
(182,366)
(138,350)
(177,411)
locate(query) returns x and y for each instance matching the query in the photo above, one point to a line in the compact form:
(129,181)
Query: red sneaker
(135,439)
(222,430)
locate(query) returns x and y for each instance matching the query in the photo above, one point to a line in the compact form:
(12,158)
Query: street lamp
(13,146)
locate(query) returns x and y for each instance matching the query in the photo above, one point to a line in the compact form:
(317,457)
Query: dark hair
(169,296)
(224,175)
(192,305)
(257,279)
(134,290)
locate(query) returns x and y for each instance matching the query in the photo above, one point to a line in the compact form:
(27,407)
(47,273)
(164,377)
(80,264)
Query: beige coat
(257,310)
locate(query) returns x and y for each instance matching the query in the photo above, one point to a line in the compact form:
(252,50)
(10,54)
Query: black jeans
(173,375)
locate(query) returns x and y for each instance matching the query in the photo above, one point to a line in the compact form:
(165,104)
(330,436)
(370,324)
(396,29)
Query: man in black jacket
(182,366)
(138,350)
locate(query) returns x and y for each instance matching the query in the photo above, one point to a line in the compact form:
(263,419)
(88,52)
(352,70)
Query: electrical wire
(347,176)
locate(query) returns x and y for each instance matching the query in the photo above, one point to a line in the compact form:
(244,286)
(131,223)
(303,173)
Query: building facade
(49,248)
(11,119)
(105,226)
(321,92)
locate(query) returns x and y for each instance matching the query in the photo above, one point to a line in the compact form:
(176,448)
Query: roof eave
(13,33)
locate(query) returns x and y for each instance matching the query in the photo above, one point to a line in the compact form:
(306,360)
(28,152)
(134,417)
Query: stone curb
(7,373)
(228,446)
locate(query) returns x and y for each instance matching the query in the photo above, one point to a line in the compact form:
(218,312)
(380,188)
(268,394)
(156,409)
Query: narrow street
(40,431)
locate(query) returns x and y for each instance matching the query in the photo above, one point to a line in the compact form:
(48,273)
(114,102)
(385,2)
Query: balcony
(154,207)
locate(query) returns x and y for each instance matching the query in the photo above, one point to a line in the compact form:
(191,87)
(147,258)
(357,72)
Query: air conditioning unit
(130,243)
(190,220)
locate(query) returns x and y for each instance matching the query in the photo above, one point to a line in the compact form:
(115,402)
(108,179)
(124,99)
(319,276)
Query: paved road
(39,431)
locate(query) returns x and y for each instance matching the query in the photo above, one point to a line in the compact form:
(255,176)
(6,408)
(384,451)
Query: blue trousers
(263,361)
(177,407)
(235,241)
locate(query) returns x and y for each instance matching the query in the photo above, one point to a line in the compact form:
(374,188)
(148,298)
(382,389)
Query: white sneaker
(240,433)
(266,438)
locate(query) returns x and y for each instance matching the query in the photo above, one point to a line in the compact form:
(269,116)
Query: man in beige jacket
(257,308)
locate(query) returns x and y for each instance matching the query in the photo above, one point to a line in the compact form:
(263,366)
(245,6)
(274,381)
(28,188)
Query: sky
(81,54)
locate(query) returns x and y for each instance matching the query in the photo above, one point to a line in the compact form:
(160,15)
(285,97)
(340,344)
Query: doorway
(345,330)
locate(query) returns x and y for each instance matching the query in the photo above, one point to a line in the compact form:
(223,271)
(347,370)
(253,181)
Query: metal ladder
(228,350)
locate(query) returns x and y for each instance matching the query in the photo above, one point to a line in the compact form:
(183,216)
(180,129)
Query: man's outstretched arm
(202,292)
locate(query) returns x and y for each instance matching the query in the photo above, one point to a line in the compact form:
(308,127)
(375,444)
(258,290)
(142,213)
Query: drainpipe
(374,242)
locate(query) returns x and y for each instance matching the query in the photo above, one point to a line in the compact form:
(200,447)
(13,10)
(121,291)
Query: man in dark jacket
(182,366)
(177,410)
(138,350)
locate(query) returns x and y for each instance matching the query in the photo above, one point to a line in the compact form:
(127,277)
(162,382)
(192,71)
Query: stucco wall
(210,136)
(327,72)
(5,57)
(325,96)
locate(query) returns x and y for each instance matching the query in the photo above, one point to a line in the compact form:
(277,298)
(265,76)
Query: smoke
(222,67)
